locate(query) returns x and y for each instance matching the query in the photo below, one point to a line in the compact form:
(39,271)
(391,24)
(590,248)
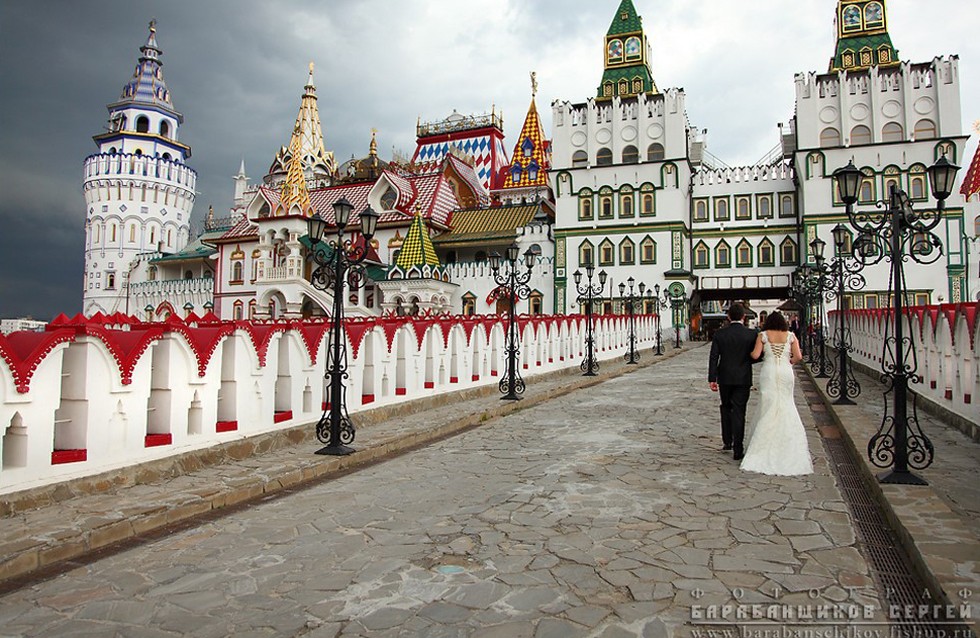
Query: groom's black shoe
(726,448)
(738,455)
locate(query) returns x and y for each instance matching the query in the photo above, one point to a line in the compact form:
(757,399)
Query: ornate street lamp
(676,311)
(897,232)
(831,281)
(515,284)
(630,301)
(337,260)
(586,292)
(823,365)
(658,302)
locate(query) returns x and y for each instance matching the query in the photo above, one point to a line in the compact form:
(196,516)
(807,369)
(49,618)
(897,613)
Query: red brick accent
(400,392)
(68,456)
(948,395)
(428,385)
(476,377)
(285,415)
(454,379)
(967,398)
(367,398)
(155,440)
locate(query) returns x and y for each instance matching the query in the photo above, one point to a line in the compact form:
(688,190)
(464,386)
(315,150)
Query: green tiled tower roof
(862,37)
(627,69)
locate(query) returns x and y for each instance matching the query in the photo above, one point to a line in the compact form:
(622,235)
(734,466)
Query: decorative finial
(311,67)
(534,84)
(211,213)
(153,25)
(374,142)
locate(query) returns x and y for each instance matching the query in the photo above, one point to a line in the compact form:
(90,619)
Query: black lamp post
(833,279)
(515,283)
(337,260)
(586,292)
(630,300)
(658,349)
(896,231)
(822,365)
(677,310)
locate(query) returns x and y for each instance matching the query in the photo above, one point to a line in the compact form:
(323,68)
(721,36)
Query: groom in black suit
(730,374)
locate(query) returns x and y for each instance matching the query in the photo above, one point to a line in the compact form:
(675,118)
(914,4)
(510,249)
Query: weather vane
(534,83)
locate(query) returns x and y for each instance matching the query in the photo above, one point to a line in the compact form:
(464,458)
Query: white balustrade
(87,396)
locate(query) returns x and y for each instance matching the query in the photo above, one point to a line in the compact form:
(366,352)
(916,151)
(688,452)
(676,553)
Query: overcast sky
(236,70)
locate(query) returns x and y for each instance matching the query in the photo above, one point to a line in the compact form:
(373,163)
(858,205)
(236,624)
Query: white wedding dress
(778,444)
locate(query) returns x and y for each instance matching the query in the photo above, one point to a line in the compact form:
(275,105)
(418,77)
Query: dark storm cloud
(236,70)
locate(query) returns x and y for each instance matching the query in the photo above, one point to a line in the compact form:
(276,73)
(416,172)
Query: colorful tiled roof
(486,225)
(147,85)
(530,164)
(191,252)
(626,20)
(476,137)
(971,182)
(417,249)
(627,69)
(242,229)
(862,37)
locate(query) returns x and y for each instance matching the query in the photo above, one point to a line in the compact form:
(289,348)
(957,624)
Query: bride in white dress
(778,444)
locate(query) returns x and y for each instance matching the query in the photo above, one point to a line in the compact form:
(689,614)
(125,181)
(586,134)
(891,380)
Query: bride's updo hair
(776,321)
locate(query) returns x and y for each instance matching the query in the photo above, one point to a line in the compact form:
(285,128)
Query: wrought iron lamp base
(335,450)
(894,477)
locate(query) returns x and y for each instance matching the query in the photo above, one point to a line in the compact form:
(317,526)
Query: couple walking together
(778,444)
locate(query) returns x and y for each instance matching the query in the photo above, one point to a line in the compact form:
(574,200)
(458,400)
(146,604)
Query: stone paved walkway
(608,513)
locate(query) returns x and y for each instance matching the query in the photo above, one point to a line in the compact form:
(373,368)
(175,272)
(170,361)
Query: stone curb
(931,534)
(45,551)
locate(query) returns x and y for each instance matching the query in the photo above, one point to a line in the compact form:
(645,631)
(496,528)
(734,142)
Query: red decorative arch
(24,351)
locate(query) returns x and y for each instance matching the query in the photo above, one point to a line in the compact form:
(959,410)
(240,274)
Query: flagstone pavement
(610,511)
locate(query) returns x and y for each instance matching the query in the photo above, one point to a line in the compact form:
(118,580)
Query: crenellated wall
(945,338)
(92,395)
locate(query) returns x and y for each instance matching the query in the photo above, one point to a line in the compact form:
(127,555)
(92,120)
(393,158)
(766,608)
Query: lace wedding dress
(778,444)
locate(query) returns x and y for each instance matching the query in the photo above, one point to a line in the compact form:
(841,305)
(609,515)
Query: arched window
(469,304)
(787,253)
(626,202)
(605,207)
(604,157)
(891,180)
(132,233)
(721,209)
(606,253)
(239,312)
(237,271)
(536,302)
(866,195)
(112,233)
(142,124)
(860,135)
(251,310)
(764,207)
(743,253)
(585,205)
(701,253)
(701,210)
(829,138)
(892,132)
(647,202)
(188,274)
(786,206)
(585,254)
(743,208)
(151,273)
(515,172)
(917,182)
(164,129)
(110,281)
(925,130)
(655,152)
(723,255)
(630,155)
(579,158)
(648,251)
(976,226)
(627,250)
(767,253)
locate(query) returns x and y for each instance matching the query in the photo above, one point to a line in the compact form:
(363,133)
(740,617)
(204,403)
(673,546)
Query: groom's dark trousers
(730,366)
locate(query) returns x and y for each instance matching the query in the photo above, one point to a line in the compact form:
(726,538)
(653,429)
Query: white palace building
(626,183)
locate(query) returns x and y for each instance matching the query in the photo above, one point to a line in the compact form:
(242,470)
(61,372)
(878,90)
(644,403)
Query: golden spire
(534,84)
(308,130)
(374,142)
(294,199)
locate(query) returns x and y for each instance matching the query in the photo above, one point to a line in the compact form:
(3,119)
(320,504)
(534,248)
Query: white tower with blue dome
(139,191)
